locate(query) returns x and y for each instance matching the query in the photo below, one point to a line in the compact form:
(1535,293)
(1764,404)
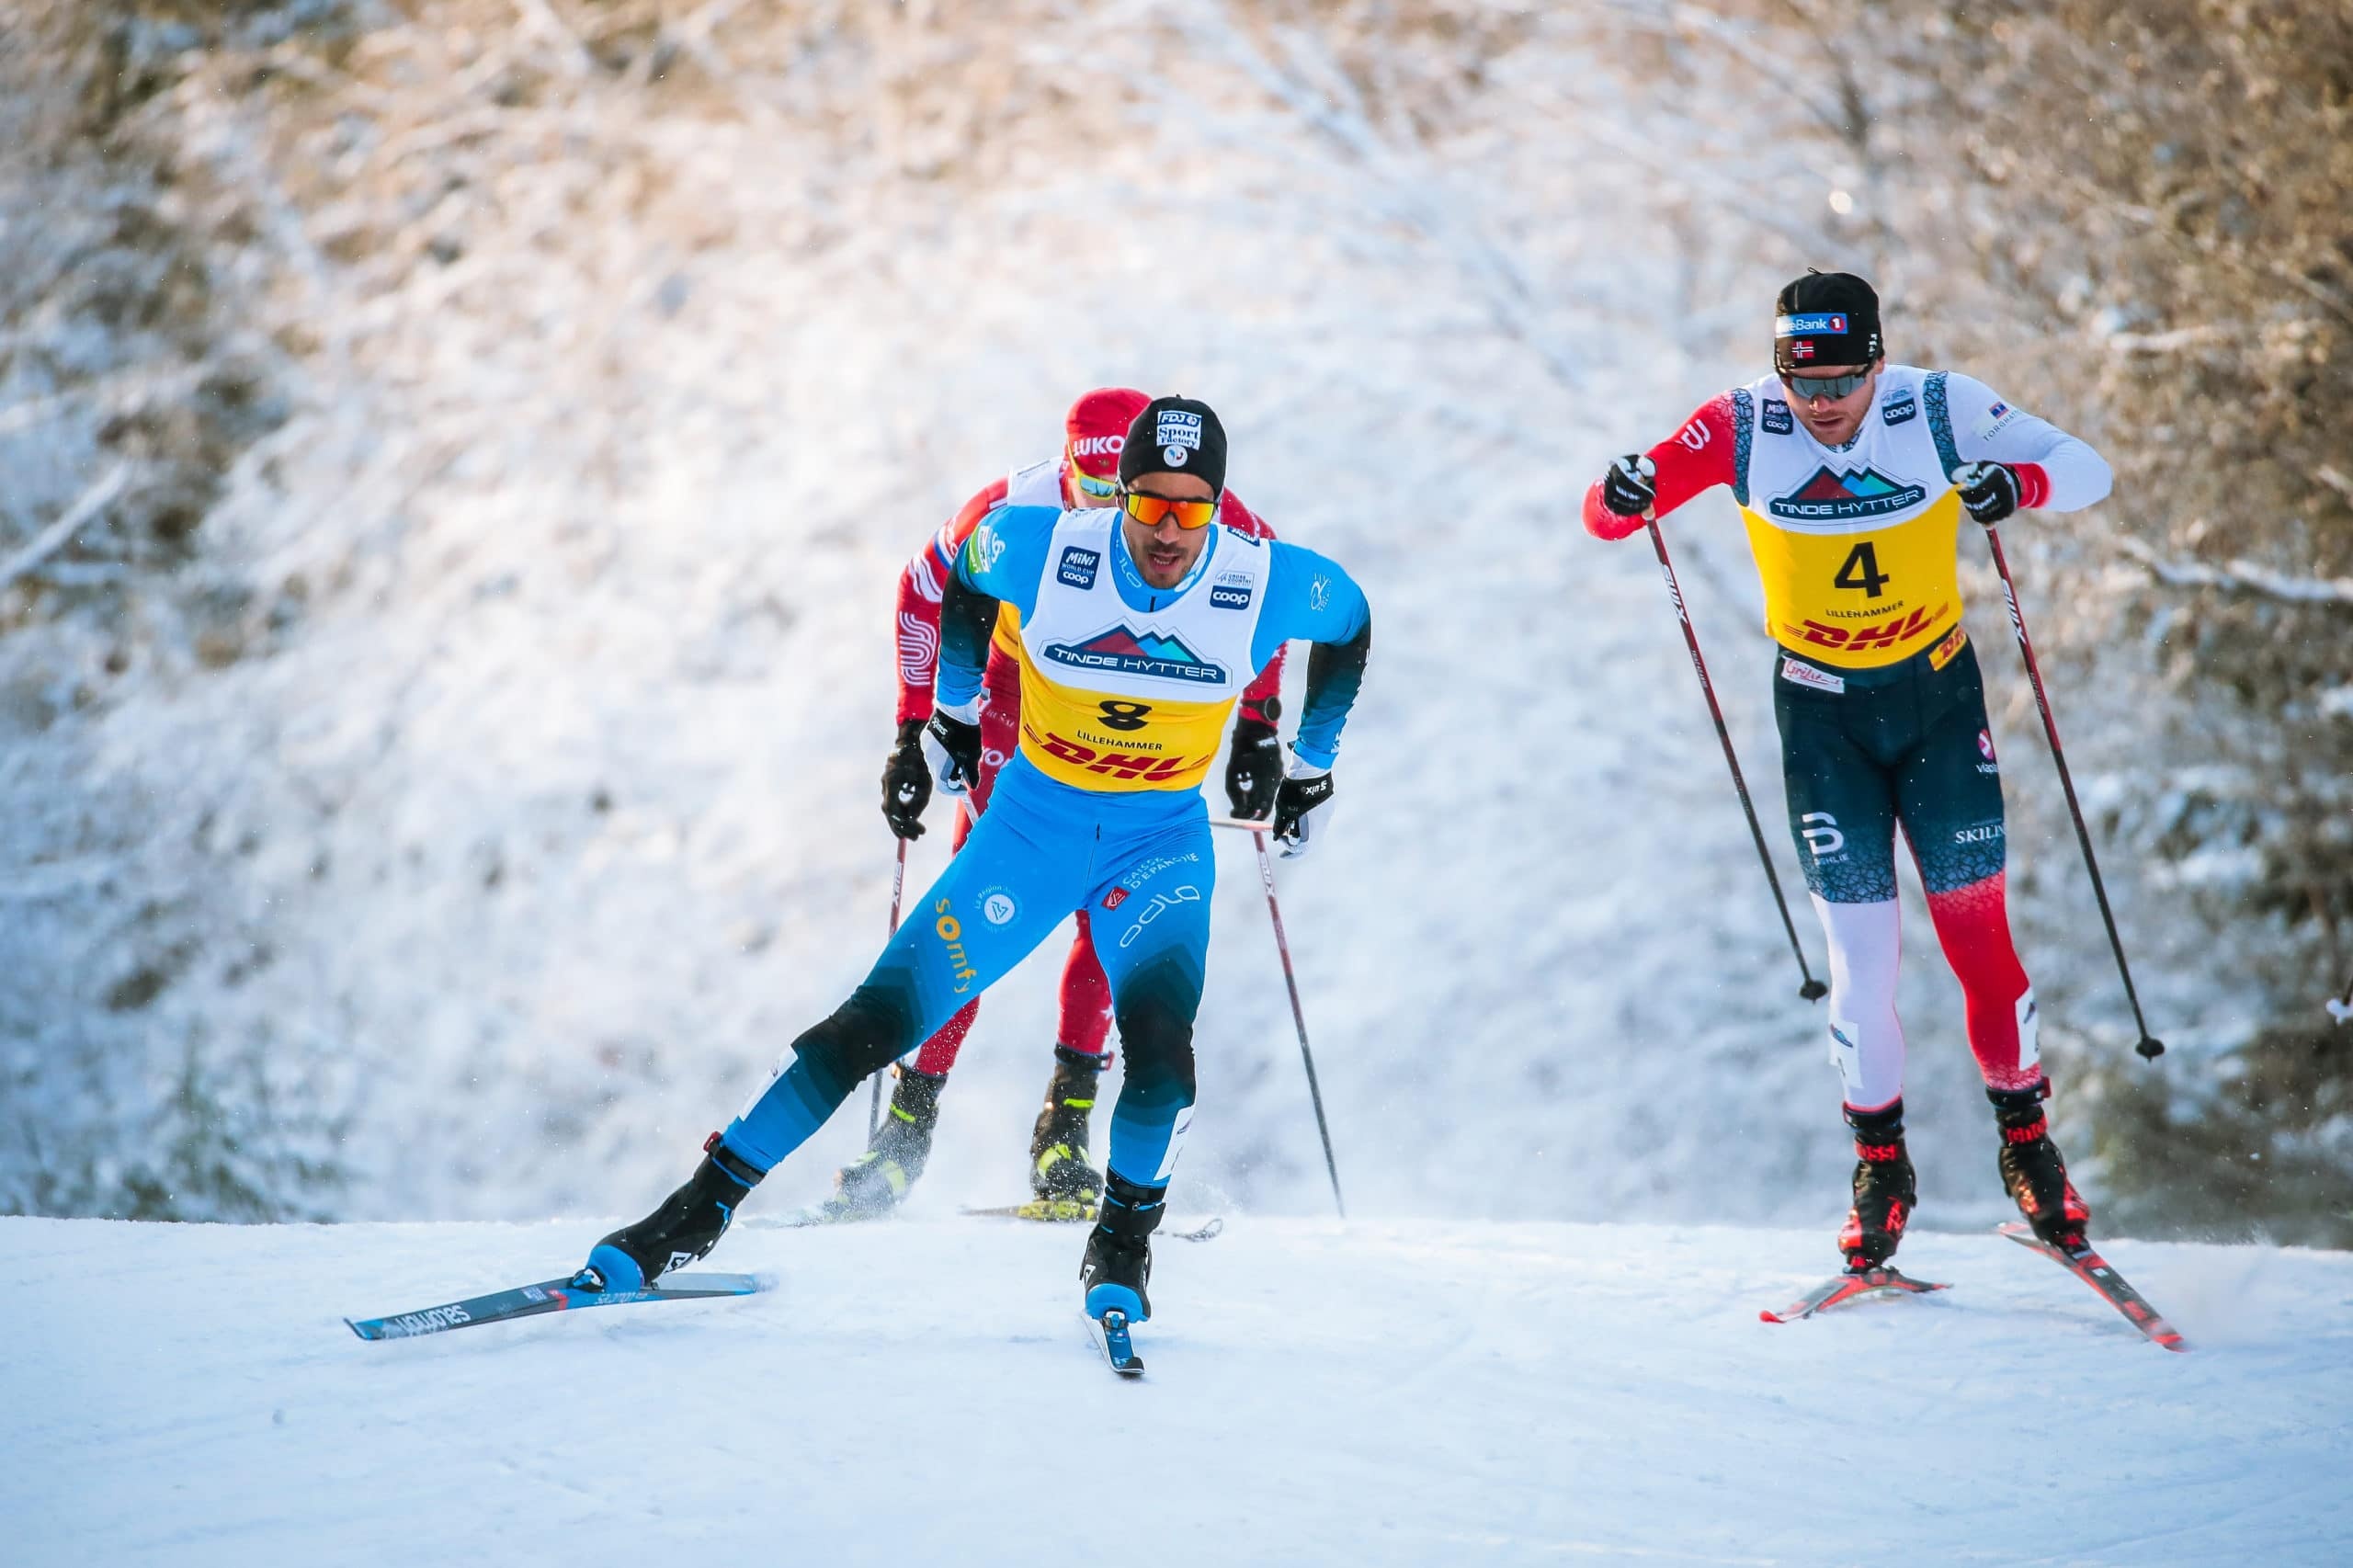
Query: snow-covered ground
(922,1392)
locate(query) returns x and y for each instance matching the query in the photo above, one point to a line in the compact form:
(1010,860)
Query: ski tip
(357,1329)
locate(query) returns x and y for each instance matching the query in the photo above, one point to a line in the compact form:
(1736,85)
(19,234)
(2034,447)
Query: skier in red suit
(1084,474)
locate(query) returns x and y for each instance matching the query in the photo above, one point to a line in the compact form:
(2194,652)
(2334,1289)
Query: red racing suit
(1085,1020)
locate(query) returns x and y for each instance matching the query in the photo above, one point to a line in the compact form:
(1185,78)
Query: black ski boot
(1885,1192)
(1119,1251)
(872,1185)
(1060,1177)
(2032,1172)
(685,1227)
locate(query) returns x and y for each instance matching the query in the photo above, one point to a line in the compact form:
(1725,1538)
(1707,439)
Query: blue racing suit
(1126,689)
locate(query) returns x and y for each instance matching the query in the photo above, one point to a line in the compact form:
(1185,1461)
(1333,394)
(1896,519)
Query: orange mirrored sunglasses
(1150,509)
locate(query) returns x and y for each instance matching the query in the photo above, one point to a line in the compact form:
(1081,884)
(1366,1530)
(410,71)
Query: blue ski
(1110,1333)
(547,1296)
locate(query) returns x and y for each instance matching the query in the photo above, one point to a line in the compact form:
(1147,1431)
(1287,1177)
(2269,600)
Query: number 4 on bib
(1862,571)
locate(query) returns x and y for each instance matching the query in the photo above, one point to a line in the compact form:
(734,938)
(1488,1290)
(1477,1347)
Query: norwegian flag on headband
(1803,349)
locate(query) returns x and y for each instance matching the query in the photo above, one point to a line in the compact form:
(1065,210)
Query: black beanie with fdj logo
(1176,434)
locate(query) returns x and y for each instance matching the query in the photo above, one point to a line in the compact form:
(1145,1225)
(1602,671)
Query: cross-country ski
(2111,1287)
(547,1296)
(1847,1287)
(1060,1212)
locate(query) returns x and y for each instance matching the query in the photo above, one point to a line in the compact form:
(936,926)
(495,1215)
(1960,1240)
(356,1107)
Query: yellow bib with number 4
(1857,548)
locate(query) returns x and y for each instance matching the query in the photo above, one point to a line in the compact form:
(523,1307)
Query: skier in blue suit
(1140,627)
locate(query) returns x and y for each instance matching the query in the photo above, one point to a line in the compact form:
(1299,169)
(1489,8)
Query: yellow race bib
(1860,598)
(1113,743)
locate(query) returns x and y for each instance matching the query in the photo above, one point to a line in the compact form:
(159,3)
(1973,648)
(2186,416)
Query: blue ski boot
(685,1227)
(1118,1250)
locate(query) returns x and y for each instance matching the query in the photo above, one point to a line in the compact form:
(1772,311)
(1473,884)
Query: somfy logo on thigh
(1162,902)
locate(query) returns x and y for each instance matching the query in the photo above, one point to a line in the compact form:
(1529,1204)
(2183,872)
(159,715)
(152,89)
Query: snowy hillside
(538,813)
(1403,1394)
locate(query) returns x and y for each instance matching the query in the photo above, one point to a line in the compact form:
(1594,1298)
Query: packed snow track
(923,1391)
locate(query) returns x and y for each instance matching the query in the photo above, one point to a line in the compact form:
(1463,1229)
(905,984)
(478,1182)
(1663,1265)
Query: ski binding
(1110,1335)
(1841,1287)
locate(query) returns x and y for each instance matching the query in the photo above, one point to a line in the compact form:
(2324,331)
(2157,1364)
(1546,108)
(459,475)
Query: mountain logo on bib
(1133,652)
(1835,497)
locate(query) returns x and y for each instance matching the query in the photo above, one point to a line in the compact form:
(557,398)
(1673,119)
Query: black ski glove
(1627,489)
(1990,491)
(1254,766)
(906,782)
(1305,792)
(954,746)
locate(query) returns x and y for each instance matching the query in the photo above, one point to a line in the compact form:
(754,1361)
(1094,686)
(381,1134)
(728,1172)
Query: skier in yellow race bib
(1852,475)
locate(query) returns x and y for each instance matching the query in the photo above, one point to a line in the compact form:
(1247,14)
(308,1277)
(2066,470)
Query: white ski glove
(951,743)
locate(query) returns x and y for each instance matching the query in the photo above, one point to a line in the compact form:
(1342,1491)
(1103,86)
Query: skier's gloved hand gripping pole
(1628,491)
(907,789)
(1990,497)
(1254,761)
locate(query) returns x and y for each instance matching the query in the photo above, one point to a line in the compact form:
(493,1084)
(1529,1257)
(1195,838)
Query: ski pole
(1299,1015)
(2149,1047)
(1812,990)
(874,1100)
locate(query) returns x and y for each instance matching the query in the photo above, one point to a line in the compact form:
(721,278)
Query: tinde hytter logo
(1836,497)
(1128,651)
